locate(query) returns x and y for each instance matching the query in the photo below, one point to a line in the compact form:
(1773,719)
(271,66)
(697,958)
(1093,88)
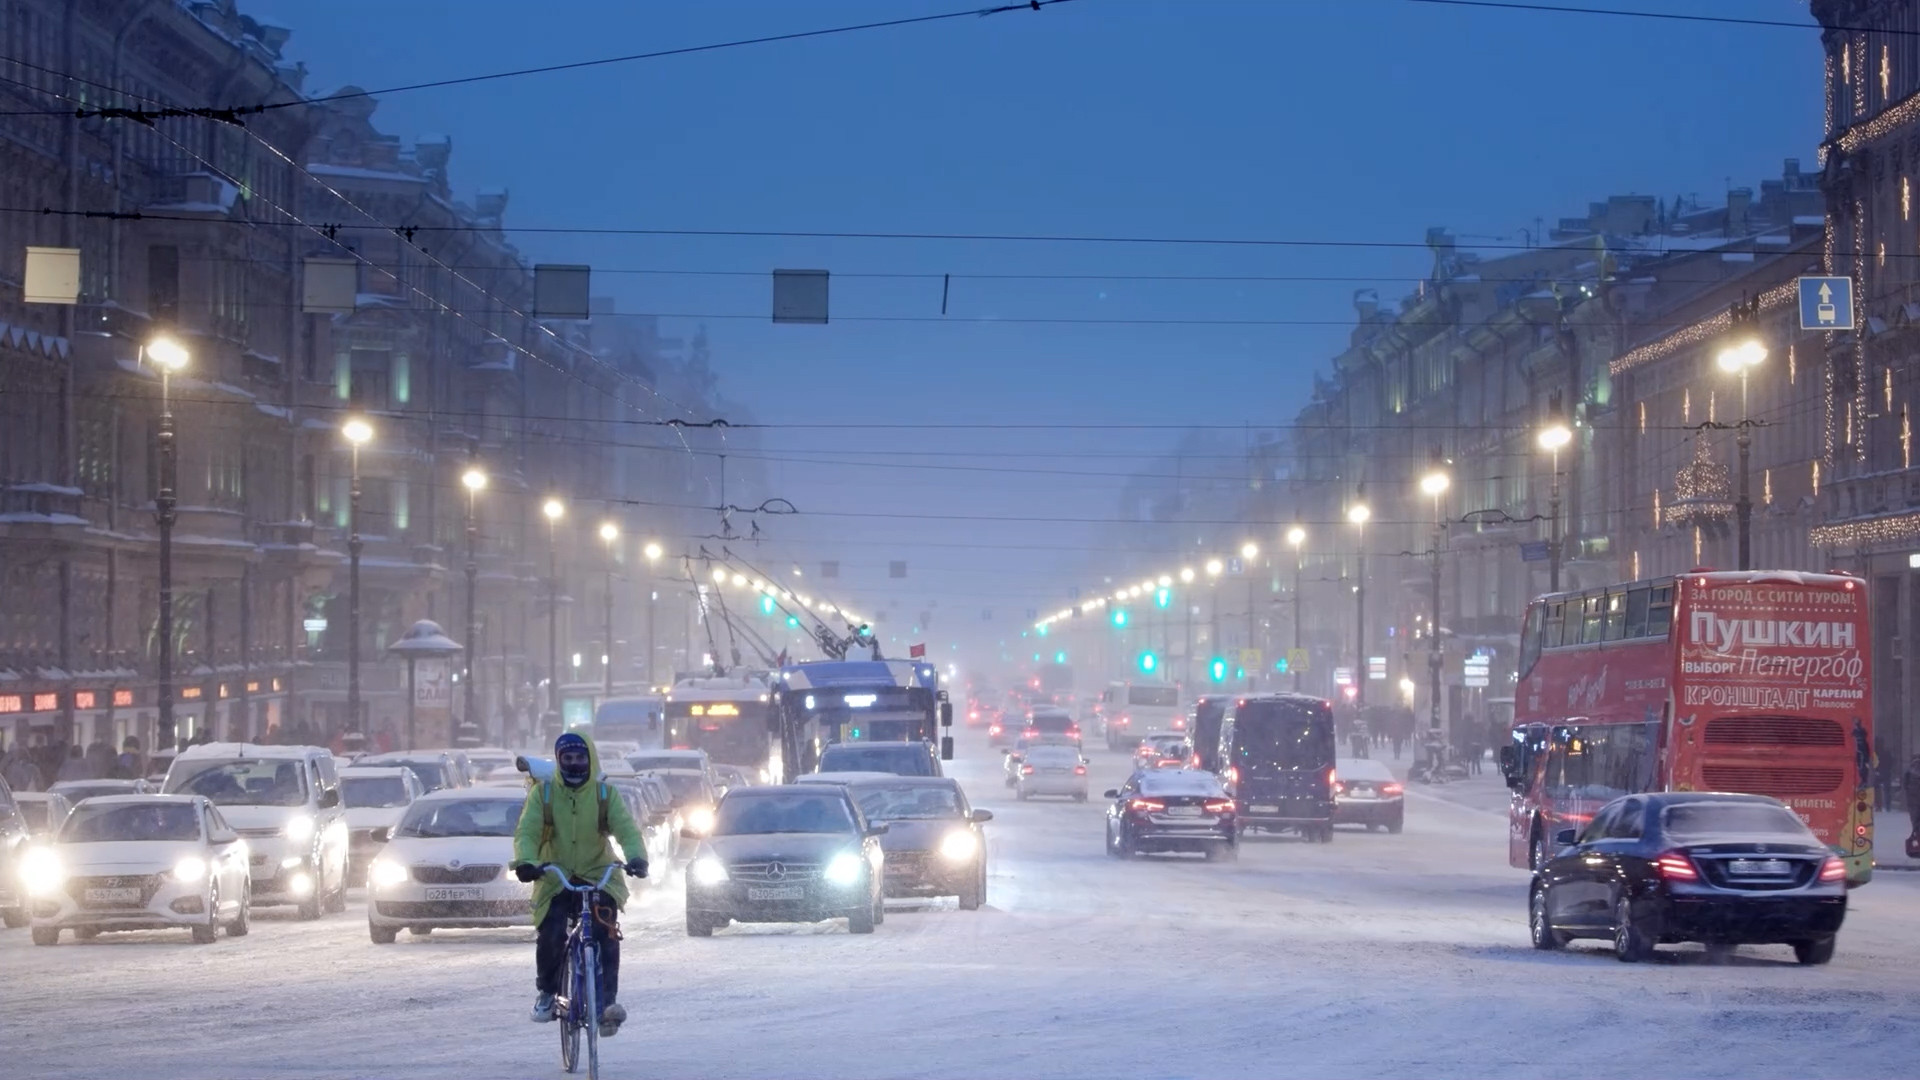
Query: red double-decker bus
(1751,681)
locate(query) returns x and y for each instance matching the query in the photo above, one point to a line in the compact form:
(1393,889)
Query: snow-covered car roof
(116,800)
(477,791)
(1360,768)
(248,750)
(849,777)
(1179,782)
(374,772)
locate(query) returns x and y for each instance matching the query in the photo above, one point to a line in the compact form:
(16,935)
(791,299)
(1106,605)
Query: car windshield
(1684,822)
(245,782)
(461,817)
(76,792)
(35,813)
(1153,696)
(106,822)
(782,812)
(1051,722)
(684,786)
(645,762)
(373,791)
(431,772)
(899,760)
(1361,769)
(1180,783)
(1168,744)
(1283,736)
(1053,755)
(906,801)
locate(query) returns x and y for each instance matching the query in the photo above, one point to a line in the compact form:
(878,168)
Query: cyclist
(567,821)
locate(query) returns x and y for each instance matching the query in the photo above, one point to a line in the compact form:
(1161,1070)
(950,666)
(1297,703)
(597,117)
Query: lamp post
(1250,551)
(474,480)
(168,356)
(1435,484)
(554,510)
(1742,353)
(609,532)
(1553,437)
(1214,569)
(652,551)
(1186,605)
(357,432)
(1358,514)
(1296,537)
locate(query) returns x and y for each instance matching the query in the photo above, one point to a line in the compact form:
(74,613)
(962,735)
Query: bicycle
(582,978)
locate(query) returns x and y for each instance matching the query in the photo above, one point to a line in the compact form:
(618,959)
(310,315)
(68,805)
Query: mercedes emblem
(1760,848)
(776,871)
(453,864)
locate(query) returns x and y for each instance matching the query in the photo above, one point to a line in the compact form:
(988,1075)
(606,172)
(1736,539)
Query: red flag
(916,651)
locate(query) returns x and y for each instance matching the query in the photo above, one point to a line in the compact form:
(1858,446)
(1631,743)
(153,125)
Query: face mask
(573,769)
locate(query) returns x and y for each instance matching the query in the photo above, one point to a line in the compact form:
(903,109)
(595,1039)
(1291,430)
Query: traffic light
(1149,663)
(1280,665)
(1162,597)
(1218,669)
(766,604)
(856,733)
(1060,657)
(793,620)
(1042,628)
(1120,618)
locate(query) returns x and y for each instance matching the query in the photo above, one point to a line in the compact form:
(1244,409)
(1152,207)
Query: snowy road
(1374,956)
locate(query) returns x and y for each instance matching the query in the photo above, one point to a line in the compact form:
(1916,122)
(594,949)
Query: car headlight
(959,846)
(844,869)
(41,872)
(707,870)
(700,819)
(300,829)
(190,870)
(385,872)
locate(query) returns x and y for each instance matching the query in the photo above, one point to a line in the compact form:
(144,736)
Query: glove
(527,872)
(636,867)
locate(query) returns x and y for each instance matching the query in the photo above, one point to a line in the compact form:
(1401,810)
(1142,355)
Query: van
(13,841)
(1276,756)
(286,801)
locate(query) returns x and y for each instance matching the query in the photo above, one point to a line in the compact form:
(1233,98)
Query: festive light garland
(1780,296)
(1891,529)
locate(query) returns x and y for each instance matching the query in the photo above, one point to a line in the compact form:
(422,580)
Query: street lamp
(1358,513)
(1296,537)
(1743,352)
(357,432)
(609,532)
(474,480)
(554,510)
(1553,437)
(1435,484)
(169,356)
(653,551)
(1250,551)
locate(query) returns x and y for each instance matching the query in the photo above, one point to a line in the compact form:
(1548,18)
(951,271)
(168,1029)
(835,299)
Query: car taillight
(994,730)
(1219,806)
(1032,733)
(1332,778)
(1179,723)
(1232,774)
(1391,789)
(1675,866)
(1193,762)
(1123,720)
(1833,869)
(1079,770)
(1147,804)
(1339,789)
(1026,770)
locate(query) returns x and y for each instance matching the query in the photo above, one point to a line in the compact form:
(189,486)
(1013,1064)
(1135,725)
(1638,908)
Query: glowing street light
(1743,352)
(170,357)
(358,433)
(554,510)
(1554,437)
(1358,514)
(475,481)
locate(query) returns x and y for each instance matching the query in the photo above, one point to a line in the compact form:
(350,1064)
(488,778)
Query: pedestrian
(75,766)
(131,765)
(1357,738)
(1883,773)
(1911,783)
(100,758)
(17,766)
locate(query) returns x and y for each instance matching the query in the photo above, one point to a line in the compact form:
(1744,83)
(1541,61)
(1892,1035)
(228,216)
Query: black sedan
(934,844)
(1172,810)
(1723,870)
(787,853)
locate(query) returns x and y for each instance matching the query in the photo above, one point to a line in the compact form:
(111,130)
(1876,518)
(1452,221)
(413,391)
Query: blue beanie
(568,740)
(561,745)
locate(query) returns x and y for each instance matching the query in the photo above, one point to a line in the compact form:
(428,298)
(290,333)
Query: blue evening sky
(1340,120)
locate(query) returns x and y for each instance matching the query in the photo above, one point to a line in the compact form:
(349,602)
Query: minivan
(286,801)
(1276,758)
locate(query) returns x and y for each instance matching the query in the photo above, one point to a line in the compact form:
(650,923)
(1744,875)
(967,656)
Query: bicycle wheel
(569,1011)
(591,1020)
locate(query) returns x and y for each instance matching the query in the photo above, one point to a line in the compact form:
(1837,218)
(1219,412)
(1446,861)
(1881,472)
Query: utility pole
(1743,352)
(168,357)
(474,480)
(553,509)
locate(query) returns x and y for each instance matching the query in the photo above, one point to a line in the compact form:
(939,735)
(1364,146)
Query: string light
(1636,567)
(1793,370)
(1816,478)
(1906,439)
(1643,418)
(1702,490)
(1886,74)
(1897,529)
(1704,331)
(1888,386)
(1686,406)
(1656,508)
(1906,200)
(1766,487)
(1696,546)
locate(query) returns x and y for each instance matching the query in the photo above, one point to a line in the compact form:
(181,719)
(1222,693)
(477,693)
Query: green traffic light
(793,620)
(1218,670)
(1120,617)
(766,604)
(1162,598)
(1149,663)
(1060,657)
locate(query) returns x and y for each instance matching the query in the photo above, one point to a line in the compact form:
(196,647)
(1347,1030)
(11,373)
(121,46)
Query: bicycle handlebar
(571,887)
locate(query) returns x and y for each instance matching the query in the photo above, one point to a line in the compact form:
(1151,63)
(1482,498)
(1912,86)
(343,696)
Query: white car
(286,801)
(139,862)
(446,865)
(1052,770)
(375,797)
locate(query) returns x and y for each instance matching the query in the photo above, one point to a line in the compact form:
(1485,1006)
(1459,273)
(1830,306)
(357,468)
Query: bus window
(1530,638)
(1660,611)
(1637,612)
(1556,618)
(1616,614)
(1592,618)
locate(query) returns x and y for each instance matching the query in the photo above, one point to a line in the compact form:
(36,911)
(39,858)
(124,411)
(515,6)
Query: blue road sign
(1235,567)
(1535,551)
(1826,303)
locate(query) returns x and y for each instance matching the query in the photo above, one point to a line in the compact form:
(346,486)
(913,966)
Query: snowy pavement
(1374,956)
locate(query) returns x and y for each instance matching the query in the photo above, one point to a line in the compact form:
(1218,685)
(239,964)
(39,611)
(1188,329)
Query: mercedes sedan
(787,853)
(1723,870)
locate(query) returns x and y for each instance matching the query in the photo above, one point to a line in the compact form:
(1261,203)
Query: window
(1637,612)
(368,383)
(1592,618)
(1555,625)
(1616,615)
(1660,611)
(1601,824)
(163,283)
(1530,638)
(1627,821)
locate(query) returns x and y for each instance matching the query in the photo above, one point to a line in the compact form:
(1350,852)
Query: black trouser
(550,951)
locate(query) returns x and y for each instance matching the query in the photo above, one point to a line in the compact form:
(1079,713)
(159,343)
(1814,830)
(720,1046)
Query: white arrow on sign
(1826,293)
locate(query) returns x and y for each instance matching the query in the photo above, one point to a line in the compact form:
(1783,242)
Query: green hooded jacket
(575,843)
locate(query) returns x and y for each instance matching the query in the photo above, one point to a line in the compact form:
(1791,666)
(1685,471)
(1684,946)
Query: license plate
(1759,867)
(113,896)
(775,892)
(1183,811)
(472,893)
